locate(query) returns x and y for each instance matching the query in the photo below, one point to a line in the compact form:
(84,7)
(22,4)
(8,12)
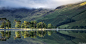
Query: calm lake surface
(42,36)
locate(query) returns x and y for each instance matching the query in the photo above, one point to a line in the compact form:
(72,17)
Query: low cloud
(50,4)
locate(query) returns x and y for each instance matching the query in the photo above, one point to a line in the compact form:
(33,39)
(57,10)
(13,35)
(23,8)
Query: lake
(59,36)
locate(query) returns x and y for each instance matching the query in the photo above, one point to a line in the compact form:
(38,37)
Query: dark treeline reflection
(18,34)
(32,34)
(5,35)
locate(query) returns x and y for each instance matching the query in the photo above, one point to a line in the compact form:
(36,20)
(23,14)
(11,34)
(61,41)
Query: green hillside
(22,14)
(67,16)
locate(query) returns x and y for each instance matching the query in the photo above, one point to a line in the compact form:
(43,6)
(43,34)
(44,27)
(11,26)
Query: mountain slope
(67,15)
(22,14)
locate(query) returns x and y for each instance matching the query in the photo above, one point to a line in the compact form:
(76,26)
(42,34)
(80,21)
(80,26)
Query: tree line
(32,24)
(5,23)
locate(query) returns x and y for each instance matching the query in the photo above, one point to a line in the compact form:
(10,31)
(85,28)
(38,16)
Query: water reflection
(18,34)
(31,34)
(43,36)
(5,35)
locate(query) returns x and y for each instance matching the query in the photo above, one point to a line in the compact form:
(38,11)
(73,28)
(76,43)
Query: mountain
(67,16)
(22,14)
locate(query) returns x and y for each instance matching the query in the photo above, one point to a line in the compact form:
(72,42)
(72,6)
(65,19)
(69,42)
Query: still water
(42,37)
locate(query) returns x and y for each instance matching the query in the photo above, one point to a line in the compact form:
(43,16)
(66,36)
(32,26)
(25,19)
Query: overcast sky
(51,4)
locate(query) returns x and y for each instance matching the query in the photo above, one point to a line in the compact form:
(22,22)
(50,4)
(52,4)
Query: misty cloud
(51,4)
